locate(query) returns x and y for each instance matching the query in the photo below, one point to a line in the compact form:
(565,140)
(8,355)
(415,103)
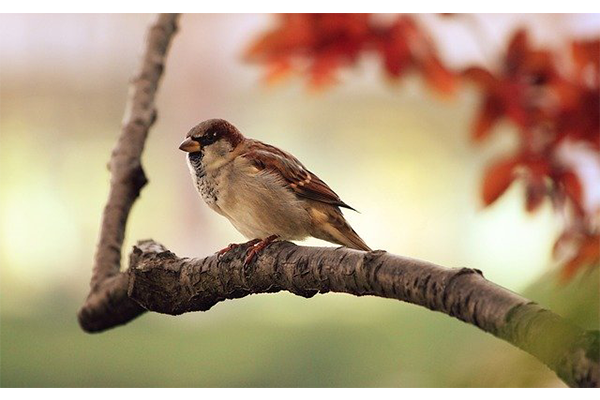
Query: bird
(266,193)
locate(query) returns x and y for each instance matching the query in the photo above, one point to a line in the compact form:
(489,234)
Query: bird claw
(233,246)
(257,247)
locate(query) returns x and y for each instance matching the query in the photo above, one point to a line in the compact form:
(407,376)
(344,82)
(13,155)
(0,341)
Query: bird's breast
(206,184)
(208,190)
(257,203)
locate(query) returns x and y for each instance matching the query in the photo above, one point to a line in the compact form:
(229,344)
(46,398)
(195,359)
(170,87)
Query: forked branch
(108,296)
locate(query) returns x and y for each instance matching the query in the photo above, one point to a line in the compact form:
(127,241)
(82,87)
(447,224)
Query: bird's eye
(209,138)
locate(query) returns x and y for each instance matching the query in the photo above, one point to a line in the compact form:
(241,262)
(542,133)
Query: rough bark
(157,280)
(108,295)
(162,282)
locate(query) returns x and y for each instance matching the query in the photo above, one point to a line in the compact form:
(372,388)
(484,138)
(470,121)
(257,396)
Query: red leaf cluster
(319,45)
(549,105)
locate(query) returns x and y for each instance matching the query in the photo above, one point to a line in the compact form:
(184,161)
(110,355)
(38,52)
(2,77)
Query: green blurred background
(396,152)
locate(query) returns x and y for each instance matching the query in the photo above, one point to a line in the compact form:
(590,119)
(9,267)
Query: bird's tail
(337,230)
(350,238)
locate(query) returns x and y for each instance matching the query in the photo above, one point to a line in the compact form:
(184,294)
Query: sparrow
(265,192)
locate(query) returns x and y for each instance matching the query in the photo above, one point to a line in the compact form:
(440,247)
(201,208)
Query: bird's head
(211,140)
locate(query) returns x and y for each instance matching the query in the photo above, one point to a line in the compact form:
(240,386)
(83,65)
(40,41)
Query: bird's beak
(189,145)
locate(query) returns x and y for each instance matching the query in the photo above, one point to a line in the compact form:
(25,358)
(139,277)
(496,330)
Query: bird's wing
(303,182)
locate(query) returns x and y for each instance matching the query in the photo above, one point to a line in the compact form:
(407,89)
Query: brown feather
(330,225)
(303,182)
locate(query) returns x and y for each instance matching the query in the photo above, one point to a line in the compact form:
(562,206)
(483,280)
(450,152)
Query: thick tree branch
(108,288)
(162,282)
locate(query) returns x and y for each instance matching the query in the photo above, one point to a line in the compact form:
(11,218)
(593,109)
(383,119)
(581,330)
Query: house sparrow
(265,192)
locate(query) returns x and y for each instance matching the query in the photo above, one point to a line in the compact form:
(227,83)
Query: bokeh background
(397,152)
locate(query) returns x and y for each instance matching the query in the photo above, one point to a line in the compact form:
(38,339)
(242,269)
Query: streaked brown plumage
(262,190)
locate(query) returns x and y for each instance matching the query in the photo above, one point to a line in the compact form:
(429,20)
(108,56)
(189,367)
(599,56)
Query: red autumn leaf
(322,71)
(517,48)
(520,91)
(277,70)
(586,56)
(479,76)
(535,68)
(343,25)
(437,76)
(396,58)
(294,32)
(516,105)
(572,186)
(569,269)
(587,254)
(581,121)
(538,168)
(395,49)
(535,191)
(497,179)
(490,112)
(425,59)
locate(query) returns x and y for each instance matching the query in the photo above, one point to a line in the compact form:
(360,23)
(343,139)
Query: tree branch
(162,282)
(108,294)
(157,280)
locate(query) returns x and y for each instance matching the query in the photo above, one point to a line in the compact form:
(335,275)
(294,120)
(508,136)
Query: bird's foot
(257,247)
(233,246)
